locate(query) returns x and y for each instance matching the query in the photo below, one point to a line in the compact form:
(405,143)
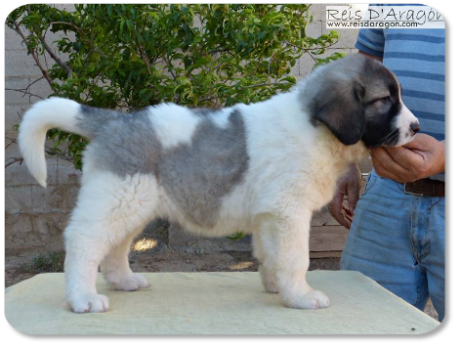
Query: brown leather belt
(426,187)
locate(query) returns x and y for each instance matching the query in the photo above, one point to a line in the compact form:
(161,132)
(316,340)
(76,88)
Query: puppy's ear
(341,109)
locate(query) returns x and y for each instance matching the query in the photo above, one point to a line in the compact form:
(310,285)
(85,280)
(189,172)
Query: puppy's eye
(380,101)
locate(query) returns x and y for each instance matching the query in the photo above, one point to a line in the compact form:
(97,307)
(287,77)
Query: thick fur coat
(262,168)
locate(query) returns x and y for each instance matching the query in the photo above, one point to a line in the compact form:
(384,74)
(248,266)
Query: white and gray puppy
(262,168)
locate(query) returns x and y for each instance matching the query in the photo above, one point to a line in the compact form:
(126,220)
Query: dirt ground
(17,266)
(166,261)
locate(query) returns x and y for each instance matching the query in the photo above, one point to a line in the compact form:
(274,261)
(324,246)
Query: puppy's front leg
(285,241)
(268,278)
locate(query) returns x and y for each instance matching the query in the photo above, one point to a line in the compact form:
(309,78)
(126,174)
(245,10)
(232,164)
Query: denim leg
(379,243)
(433,254)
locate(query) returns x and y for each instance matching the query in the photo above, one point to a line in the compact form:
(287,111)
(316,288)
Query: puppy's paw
(89,303)
(131,282)
(314,299)
(320,297)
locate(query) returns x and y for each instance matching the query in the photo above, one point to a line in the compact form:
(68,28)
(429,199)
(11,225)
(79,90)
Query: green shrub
(45,262)
(130,56)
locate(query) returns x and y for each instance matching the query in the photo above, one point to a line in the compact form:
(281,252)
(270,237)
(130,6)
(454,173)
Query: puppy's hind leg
(109,209)
(116,270)
(286,259)
(85,247)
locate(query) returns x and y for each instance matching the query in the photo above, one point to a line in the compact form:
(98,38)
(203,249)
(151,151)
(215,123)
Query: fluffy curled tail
(44,115)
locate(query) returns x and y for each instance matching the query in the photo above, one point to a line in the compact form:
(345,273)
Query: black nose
(415,127)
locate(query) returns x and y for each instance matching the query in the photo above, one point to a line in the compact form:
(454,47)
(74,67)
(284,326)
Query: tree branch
(15,160)
(308,49)
(34,55)
(144,58)
(23,91)
(12,141)
(33,82)
(262,85)
(79,30)
(141,49)
(311,56)
(56,58)
(51,152)
(51,53)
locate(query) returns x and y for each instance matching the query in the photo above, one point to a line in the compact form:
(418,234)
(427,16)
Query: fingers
(348,185)
(337,212)
(381,170)
(347,211)
(349,219)
(419,142)
(353,196)
(335,207)
(345,220)
(386,166)
(348,215)
(405,157)
(400,164)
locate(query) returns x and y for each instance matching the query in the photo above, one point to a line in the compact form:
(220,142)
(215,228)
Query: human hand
(422,157)
(347,185)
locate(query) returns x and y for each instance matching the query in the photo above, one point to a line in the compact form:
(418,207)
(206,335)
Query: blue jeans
(398,240)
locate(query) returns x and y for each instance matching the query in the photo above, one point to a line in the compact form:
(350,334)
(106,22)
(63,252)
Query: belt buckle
(406,191)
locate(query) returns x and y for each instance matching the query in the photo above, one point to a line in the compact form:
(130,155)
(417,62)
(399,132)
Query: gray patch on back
(195,176)
(204,112)
(124,143)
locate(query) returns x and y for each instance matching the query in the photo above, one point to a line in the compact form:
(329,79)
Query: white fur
(403,122)
(220,118)
(50,113)
(110,212)
(292,170)
(173,124)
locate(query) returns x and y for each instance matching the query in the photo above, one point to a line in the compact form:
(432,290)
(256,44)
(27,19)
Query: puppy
(262,168)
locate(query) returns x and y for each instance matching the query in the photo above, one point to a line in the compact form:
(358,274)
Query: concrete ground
(17,265)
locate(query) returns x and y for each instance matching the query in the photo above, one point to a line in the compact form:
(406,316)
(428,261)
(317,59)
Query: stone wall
(35,217)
